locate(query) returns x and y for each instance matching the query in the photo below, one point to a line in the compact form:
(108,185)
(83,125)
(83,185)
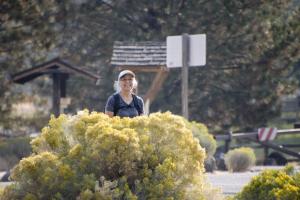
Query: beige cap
(124,72)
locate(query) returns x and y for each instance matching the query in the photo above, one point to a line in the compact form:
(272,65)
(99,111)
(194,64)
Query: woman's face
(126,82)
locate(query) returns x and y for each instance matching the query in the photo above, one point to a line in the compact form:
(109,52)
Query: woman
(124,102)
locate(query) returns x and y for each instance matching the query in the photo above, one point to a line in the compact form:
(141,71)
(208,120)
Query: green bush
(1,191)
(18,146)
(8,162)
(239,159)
(12,150)
(289,169)
(272,184)
(206,140)
(92,156)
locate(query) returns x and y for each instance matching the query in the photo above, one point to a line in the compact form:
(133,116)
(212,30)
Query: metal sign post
(185,76)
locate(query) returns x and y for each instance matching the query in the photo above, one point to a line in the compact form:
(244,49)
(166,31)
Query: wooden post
(63,84)
(56,94)
(228,141)
(147,107)
(266,153)
(184,75)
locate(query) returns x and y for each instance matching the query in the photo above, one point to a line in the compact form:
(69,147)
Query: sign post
(186,51)
(185,75)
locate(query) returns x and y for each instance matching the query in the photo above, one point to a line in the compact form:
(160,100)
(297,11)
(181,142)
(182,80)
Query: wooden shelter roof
(139,54)
(56,65)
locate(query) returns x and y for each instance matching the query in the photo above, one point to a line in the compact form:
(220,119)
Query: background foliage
(12,150)
(252,48)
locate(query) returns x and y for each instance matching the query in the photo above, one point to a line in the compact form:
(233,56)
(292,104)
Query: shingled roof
(139,54)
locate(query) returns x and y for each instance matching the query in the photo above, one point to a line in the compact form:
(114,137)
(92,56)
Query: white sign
(197,51)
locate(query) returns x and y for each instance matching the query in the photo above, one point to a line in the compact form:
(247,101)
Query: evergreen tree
(252,48)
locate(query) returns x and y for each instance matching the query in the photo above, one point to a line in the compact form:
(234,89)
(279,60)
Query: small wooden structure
(59,70)
(142,57)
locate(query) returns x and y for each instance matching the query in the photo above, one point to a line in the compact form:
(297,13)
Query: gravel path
(232,183)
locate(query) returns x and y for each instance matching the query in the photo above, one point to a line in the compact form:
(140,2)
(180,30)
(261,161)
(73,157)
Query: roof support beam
(160,77)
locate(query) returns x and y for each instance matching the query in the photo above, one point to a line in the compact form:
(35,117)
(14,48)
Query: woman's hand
(111,114)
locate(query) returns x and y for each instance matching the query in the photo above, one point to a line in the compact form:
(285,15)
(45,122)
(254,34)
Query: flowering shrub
(206,140)
(272,184)
(240,159)
(93,156)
